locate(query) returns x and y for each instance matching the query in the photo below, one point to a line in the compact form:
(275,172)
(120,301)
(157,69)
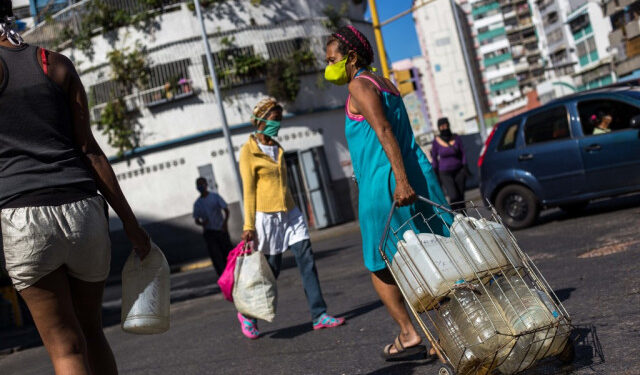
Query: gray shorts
(38,240)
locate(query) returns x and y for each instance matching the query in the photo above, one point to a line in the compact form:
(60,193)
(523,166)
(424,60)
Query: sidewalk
(316,235)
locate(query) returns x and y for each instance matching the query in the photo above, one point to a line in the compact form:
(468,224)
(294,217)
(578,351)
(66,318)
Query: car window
(603,116)
(508,140)
(549,125)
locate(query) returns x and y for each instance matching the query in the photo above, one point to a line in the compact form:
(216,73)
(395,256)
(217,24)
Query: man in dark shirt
(208,213)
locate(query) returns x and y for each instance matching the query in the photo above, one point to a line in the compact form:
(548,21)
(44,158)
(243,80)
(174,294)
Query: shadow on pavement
(564,294)
(588,354)
(300,329)
(594,208)
(401,368)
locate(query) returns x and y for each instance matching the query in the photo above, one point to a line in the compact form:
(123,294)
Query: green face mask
(337,73)
(271,129)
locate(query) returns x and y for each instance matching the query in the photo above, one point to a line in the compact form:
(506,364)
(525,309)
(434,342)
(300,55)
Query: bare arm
(62,72)
(366,99)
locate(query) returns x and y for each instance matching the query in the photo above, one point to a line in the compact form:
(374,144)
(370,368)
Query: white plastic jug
(503,239)
(146,293)
(479,244)
(427,266)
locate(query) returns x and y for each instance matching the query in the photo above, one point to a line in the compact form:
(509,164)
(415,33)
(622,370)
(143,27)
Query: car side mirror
(635,122)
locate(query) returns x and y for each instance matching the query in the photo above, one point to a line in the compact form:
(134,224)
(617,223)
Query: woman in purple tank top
(450,163)
(54,224)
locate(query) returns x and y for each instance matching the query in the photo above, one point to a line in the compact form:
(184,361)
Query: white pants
(278,230)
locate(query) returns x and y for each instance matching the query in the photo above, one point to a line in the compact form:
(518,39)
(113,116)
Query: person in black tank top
(52,169)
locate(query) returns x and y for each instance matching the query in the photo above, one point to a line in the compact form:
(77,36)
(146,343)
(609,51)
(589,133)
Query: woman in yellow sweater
(272,222)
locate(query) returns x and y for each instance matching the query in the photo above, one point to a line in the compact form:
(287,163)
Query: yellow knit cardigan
(264,182)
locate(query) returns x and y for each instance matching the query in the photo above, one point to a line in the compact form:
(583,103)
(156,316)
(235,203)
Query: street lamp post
(216,90)
(378,34)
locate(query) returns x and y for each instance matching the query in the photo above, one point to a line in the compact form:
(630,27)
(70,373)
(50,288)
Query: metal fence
(178,69)
(51,33)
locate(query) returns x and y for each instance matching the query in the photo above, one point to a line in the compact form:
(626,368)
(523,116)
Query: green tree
(130,70)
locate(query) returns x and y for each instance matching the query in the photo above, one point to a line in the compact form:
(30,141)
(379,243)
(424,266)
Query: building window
(225,64)
(587,51)
(105,92)
(443,41)
(283,49)
(168,82)
(437,67)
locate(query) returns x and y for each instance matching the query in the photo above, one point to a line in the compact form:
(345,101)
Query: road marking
(609,249)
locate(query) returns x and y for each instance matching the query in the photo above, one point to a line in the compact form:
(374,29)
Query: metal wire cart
(482,303)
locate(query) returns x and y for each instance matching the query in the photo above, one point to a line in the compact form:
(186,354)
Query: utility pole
(216,91)
(379,42)
(467,63)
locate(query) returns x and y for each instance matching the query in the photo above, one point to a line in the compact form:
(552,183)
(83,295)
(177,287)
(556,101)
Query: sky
(399,36)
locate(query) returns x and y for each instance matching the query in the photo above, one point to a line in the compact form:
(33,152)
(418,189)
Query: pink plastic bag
(225,281)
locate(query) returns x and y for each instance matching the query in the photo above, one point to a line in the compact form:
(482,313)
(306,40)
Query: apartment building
(446,82)
(624,36)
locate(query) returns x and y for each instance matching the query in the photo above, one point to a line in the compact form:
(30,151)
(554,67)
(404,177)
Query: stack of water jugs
(487,316)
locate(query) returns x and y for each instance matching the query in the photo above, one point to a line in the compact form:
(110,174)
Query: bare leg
(392,298)
(87,301)
(50,303)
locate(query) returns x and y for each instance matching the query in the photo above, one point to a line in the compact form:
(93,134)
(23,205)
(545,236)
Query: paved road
(592,261)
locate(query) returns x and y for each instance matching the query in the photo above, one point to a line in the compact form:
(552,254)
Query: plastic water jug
(145,293)
(427,266)
(562,329)
(524,311)
(503,239)
(475,330)
(475,237)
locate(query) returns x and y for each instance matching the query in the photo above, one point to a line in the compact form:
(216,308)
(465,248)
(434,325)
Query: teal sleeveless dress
(376,181)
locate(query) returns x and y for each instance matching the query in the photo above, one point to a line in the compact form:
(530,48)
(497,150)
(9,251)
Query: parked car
(554,155)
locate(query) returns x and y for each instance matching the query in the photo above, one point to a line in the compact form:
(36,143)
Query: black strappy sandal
(404,354)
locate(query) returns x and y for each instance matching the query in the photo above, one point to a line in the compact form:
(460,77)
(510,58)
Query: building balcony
(632,29)
(47,34)
(628,66)
(483,9)
(616,36)
(615,6)
(497,59)
(493,74)
(504,85)
(167,93)
(491,34)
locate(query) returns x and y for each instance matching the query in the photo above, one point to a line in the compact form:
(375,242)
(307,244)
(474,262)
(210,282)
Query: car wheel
(517,206)
(574,208)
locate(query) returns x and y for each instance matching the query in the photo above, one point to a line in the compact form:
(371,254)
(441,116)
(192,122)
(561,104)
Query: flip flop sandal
(403,354)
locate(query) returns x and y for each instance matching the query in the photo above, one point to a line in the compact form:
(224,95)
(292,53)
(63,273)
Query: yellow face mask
(337,73)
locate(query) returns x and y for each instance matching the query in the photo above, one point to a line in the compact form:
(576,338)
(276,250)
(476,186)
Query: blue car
(565,153)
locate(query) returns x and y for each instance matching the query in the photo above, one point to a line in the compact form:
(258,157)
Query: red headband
(343,39)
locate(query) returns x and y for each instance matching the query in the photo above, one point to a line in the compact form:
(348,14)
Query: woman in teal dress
(388,165)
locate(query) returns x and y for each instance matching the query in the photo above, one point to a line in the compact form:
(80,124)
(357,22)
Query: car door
(611,159)
(551,154)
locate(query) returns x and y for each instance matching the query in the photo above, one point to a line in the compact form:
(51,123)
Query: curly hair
(6,9)
(351,39)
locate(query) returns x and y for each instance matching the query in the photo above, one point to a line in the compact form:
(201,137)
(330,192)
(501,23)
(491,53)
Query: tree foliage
(119,122)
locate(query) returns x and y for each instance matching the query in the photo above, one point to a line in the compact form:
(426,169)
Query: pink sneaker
(249,327)
(327,321)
